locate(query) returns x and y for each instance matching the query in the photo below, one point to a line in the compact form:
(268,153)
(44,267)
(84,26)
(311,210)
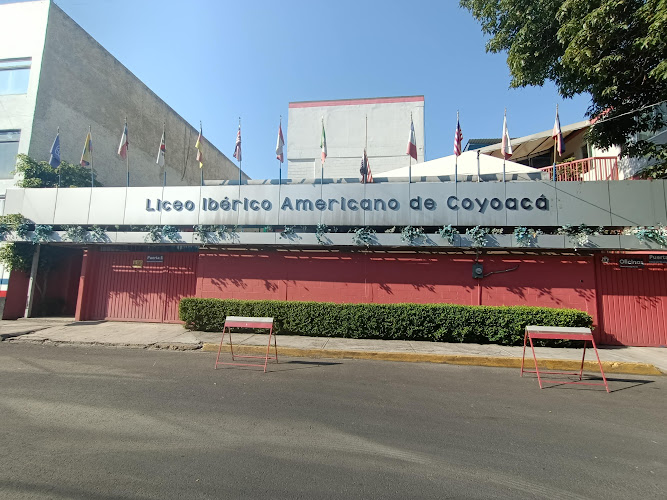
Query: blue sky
(217,60)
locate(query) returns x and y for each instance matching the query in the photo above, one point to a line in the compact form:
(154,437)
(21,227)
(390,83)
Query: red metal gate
(632,301)
(129,288)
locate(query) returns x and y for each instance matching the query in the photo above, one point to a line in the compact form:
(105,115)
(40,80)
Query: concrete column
(31,282)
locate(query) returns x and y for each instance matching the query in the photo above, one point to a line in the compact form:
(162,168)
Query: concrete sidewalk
(630,360)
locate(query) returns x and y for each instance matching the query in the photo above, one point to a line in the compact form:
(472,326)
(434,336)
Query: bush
(433,322)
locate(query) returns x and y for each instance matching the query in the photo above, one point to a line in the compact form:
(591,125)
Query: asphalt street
(119,423)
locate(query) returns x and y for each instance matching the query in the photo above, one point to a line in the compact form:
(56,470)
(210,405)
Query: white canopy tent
(469,164)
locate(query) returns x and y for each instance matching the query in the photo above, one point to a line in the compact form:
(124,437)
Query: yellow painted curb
(451,359)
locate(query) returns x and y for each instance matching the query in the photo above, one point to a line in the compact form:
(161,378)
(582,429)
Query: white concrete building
(54,74)
(382,124)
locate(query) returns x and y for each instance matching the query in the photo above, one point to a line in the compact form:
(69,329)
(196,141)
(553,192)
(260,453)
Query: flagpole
(410,164)
(555,142)
(504,131)
(456,156)
(201,167)
(127,155)
(478,172)
(280,163)
(92,175)
(365,155)
(164,128)
(58,136)
(322,168)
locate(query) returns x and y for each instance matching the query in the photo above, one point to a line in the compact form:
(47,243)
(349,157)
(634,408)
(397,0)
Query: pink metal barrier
(560,333)
(246,323)
(600,168)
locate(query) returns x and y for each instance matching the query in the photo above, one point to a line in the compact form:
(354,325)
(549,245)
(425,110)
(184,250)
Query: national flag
(54,160)
(124,143)
(161,151)
(323,143)
(280,144)
(557,136)
(237,149)
(412,141)
(458,137)
(365,170)
(506,148)
(87,155)
(200,157)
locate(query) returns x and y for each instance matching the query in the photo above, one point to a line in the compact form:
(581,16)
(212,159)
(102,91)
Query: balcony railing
(600,168)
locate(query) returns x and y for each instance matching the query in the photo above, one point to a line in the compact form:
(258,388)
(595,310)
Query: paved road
(117,423)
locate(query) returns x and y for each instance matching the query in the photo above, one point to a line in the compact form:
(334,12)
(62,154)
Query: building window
(14,76)
(9,148)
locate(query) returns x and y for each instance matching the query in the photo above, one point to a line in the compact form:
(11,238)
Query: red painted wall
(116,290)
(17,294)
(632,302)
(548,281)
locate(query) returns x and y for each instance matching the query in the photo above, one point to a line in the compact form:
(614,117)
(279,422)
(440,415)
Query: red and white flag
(365,170)
(557,136)
(280,144)
(458,137)
(124,143)
(161,151)
(237,149)
(412,141)
(506,148)
(198,146)
(323,143)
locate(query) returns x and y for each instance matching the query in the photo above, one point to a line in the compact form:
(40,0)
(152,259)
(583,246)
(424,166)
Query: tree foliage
(39,174)
(614,50)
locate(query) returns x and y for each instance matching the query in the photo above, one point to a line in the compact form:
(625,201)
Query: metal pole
(92,164)
(456,169)
(478,170)
(127,156)
(58,136)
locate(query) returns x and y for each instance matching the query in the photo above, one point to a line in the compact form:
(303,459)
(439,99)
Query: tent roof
(467,165)
(531,145)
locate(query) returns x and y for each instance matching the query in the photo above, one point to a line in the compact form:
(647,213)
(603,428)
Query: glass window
(9,148)
(14,76)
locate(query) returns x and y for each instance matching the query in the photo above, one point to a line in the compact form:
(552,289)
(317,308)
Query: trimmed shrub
(433,322)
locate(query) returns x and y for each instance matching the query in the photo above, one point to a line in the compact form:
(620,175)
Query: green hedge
(433,322)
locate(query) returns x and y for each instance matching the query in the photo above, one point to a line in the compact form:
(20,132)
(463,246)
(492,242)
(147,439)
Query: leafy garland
(288,232)
(525,236)
(42,233)
(448,232)
(477,235)
(363,236)
(411,234)
(579,235)
(97,233)
(320,231)
(75,233)
(647,234)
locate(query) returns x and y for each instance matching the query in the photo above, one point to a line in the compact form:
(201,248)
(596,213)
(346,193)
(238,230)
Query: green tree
(38,174)
(614,50)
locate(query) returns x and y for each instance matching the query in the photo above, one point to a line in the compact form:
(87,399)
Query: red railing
(589,169)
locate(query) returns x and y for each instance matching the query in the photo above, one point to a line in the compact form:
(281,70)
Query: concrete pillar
(31,282)
(85,285)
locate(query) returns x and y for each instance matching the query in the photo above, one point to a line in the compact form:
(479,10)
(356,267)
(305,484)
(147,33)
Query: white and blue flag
(55,152)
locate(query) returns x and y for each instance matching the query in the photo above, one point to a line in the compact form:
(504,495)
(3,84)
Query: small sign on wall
(137,264)
(631,262)
(657,258)
(155,258)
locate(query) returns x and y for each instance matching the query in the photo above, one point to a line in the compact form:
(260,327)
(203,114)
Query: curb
(450,359)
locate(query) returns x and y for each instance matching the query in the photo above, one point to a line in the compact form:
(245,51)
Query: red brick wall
(549,281)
